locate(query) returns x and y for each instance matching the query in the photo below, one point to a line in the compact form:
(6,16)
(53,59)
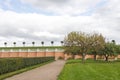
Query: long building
(36,51)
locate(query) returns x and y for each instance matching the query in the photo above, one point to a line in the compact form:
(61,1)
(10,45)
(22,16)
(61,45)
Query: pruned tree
(62,42)
(24,44)
(33,43)
(52,42)
(5,43)
(42,42)
(113,41)
(14,44)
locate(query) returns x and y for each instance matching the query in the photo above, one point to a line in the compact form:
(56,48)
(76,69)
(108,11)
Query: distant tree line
(81,43)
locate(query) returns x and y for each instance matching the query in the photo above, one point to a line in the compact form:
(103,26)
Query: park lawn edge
(10,74)
(72,62)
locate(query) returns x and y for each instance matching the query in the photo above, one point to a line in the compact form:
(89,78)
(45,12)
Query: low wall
(57,55)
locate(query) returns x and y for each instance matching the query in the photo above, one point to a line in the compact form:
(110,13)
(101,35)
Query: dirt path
(46,72)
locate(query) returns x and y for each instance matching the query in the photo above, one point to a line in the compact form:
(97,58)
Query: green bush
(13,64)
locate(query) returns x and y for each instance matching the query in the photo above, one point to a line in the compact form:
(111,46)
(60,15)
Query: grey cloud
(46,3)
(9,31)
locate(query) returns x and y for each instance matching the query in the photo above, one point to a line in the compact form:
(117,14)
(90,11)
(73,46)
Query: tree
(14,44)
(82,43)
(24,44)
(72,50)
(70,44)
(113,41)
(117,49)
(61,42)
(52,42)
(77,43)
(33,43)
(42,42)
(97,41)
(5,43)
(109,50)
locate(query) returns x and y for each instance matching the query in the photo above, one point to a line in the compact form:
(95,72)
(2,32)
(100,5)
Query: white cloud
(46,34)
(63,7)
(29,27)
(37,27)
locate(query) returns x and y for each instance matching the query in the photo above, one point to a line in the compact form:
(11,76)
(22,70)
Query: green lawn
(75,70)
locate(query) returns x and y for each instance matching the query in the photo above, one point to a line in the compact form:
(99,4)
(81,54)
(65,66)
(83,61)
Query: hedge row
(13,64)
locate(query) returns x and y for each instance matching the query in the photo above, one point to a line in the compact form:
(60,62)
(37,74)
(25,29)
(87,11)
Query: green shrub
(13,64)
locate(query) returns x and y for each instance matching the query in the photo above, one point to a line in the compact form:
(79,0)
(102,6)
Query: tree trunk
(95,55)
(73,56)
(83,57)
(106,57)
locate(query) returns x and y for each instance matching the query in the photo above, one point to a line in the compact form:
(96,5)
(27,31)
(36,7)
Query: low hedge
(13,64)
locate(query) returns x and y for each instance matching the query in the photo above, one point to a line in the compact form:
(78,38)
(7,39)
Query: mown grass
(90,70)
(22,70)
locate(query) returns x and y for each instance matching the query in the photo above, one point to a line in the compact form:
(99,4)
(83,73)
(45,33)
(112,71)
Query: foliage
(95,44)
(98,42)
(82,43)
(110,49)
(42,42)
(33,43)
(52,42)
(13,64)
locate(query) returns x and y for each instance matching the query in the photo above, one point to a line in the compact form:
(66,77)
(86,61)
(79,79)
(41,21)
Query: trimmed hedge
(13,64)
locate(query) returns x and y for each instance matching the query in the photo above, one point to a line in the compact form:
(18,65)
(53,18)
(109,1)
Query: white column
(37,50)
(11,50)
(3,50)
(29,50)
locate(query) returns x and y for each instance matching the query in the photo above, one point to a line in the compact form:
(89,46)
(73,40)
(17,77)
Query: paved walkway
(46,72)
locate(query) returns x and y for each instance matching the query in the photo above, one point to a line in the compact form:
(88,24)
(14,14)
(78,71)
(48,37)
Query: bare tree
(61,42)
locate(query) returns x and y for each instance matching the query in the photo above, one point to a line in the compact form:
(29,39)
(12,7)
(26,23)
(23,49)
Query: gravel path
(46,72)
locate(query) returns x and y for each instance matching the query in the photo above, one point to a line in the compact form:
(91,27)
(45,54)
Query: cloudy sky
(51,20)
